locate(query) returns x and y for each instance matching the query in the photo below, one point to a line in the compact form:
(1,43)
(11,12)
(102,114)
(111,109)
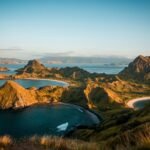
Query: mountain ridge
(138,69)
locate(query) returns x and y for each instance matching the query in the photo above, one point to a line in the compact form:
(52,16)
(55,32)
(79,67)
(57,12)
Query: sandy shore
(131,102)
(67,84)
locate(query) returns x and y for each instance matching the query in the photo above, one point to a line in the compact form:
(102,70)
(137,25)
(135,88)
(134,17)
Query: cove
(26,83)
(138,103)
(141,104)
(46,119)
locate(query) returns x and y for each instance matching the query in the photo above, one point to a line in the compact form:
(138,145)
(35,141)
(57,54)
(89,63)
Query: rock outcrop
(138,70)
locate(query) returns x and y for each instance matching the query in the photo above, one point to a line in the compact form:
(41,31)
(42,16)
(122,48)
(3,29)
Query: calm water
(141,104)
(45,119)
(98,68)
(11,67)
(36,83)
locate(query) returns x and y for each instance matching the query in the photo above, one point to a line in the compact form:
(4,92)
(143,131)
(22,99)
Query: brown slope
(138,70)
(33,66)
(12,95)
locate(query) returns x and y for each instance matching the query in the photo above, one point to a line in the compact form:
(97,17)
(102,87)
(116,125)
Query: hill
(33,66)
(14,95)
(35,69)
(138,70)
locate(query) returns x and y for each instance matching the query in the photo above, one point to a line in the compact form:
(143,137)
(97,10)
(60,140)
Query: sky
(37,28)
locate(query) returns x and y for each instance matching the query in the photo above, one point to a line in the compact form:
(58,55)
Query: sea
(92,68)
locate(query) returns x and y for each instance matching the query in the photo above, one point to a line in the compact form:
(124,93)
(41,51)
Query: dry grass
(134,139)
(5,140)
(45,143)
(126,141)
(62,143)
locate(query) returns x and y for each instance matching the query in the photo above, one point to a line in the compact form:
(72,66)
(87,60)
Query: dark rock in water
(138,70)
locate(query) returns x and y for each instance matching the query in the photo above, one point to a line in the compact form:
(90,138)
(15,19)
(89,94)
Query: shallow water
(36,83)
(98,68)
(141,104)
(44,119)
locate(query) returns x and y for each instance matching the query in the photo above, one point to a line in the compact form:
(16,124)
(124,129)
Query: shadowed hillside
(138,70)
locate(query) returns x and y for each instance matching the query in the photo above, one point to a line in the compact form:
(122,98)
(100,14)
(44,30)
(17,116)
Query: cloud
(11,49)
(55,54)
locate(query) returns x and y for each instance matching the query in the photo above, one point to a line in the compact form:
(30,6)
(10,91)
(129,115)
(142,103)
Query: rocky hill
(138,70)
(33,66)
(12,95)
(35,69)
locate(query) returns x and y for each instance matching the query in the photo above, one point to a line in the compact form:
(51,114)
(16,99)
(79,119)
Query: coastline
(131,102)
(60,81)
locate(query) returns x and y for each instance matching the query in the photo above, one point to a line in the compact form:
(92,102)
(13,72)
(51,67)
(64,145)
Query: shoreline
(131,102)
(66,83)
(59,81)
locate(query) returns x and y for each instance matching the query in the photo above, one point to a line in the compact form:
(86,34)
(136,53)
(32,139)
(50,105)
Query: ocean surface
(141,104)
(47,119)
(98,68)
(37,83)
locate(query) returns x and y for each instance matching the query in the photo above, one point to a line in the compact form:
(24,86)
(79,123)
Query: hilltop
(34,68)
(138,70)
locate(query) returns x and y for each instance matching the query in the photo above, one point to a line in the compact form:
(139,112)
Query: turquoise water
(36,83)
(141,104)
(45,119)
(11,67)
(98,68)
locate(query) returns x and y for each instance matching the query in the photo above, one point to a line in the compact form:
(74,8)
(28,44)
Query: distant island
(3,69)
(112,60)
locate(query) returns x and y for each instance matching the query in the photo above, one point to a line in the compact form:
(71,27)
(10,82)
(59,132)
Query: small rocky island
(138,70)
(3,69)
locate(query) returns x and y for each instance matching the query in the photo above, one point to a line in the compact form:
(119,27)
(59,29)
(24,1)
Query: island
(102,94)
(3,69)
